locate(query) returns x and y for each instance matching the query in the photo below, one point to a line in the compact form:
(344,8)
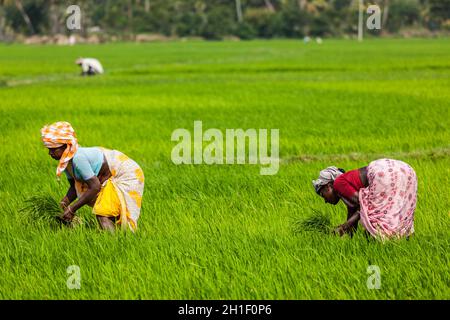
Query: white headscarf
(326,176)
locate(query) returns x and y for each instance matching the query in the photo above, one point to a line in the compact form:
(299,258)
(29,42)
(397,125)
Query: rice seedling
(45,208)
(318,221)
(42,207)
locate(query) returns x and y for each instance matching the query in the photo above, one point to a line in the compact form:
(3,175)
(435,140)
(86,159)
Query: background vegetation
(215,19)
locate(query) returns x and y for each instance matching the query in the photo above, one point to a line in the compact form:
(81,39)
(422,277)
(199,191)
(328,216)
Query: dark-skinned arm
(94,187)
(71,195)
(352,221)
(353,217)
(351,225)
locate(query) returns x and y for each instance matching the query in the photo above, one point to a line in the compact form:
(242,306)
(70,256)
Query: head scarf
(326,176)
(56,135)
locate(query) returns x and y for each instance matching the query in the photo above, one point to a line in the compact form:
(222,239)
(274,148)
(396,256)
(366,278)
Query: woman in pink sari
(382,196)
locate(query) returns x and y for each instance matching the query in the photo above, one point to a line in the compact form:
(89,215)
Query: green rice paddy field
(225,231)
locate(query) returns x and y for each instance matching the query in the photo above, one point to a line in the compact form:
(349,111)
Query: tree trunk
(360,20)
(269,5)
(301,8)
(239,10)
(2,24)
(385,13)
(302,4)
(25,17)
(54,18)
(147,6)
(86,19)
(130,15)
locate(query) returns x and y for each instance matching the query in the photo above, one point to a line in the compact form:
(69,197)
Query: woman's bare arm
(352,221)
(94,187)
(70,196)
(351,225)
(72,192)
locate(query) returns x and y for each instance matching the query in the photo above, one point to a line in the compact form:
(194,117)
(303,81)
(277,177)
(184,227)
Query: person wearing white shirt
(89,66)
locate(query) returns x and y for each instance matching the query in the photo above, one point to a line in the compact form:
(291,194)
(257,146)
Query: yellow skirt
(109,204)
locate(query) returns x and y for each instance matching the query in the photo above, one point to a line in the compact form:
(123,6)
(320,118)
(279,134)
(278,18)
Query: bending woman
(382,196)
(106,180)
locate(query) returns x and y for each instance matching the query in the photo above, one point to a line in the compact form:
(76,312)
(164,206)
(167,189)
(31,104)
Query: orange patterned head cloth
(56,135)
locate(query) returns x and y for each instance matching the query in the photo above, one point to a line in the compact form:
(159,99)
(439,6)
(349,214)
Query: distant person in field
(104,179)
(381,195)
(89,66)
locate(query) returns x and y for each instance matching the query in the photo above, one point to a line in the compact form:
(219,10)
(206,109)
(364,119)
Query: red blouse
(347,184)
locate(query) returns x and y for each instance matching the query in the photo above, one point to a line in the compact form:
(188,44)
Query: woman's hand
(349,226)
(341,229)
(68,214)
(64,203)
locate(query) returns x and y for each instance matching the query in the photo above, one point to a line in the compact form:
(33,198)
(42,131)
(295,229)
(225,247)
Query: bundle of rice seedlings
(318,221)
(45,208)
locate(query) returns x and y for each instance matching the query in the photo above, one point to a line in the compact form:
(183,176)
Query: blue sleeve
(83,167)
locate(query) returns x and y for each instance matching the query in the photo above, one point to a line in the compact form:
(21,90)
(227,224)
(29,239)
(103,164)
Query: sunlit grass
(226,232)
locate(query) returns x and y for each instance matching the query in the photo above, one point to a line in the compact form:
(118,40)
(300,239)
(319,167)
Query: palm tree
(301,4)
(19,6)
(385,13)
(2,23)
(54,17)
(130,15)
(269,5)
(238,10)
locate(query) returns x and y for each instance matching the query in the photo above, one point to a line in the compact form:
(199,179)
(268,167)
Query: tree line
(215,19)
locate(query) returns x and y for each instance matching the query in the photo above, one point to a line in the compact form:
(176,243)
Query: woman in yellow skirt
(104,179)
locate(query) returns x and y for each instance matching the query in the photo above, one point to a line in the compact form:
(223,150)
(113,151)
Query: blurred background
(44,21)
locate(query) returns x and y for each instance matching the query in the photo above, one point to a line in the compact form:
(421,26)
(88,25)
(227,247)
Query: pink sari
(387,205)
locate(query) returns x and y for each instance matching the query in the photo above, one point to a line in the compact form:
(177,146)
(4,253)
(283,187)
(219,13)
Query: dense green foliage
(214,19)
